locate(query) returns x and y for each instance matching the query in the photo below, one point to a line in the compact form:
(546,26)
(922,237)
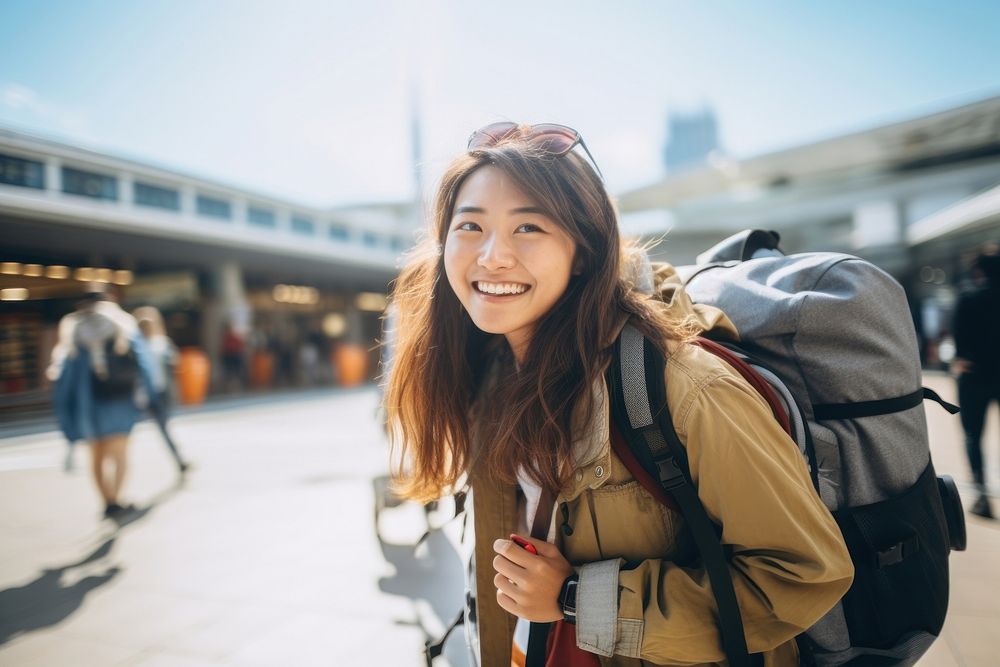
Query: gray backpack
(832,335)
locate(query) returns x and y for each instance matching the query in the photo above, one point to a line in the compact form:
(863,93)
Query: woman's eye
(468,227)
(528,227)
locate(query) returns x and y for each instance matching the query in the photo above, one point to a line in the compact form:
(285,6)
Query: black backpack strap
(858,409)
(640,410)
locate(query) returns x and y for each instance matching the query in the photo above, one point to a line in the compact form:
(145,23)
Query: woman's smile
(500,289)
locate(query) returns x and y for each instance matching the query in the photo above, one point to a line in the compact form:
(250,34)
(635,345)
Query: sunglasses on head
(554,139)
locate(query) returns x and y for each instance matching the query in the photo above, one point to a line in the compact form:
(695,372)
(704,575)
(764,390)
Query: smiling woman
(506,318)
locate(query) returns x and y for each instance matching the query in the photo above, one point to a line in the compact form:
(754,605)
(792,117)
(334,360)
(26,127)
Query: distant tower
(691,137)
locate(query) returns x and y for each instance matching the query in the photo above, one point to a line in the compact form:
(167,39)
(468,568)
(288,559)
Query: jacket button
(599,471)
(579,475)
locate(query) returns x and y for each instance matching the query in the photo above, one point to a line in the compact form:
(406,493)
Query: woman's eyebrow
(533,210)
(521,210)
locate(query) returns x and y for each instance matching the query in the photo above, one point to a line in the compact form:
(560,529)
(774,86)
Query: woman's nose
(496,254)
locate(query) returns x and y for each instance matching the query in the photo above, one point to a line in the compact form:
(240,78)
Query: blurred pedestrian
(100,366)
(309,361)
(233,359)
(977,364)
(163,354)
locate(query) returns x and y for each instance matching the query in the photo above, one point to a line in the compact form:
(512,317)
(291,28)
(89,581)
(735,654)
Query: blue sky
(311,99)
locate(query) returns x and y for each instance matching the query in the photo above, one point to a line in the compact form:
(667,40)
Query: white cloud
(17,96)
(29,107)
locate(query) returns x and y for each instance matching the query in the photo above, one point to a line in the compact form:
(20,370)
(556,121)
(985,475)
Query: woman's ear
(577,265)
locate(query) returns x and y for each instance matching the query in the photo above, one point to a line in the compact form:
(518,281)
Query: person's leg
(159,407)
(118,453)
(98,457)
(973,398)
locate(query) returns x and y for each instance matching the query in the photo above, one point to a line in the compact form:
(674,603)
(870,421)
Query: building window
(18,171)
(370,239)
(214,208)
(260,217)
(339,233)
(89,184)
(302,225)
(157,197)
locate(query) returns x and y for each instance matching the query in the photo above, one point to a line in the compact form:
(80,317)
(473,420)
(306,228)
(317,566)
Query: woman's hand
(528,585)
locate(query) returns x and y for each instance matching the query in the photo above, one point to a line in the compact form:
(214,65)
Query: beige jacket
(789,564)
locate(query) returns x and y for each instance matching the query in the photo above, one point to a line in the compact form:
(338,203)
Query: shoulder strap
(752,377)
(643,417)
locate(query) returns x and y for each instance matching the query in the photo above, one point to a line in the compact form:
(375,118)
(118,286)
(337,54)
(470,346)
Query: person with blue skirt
(102,374)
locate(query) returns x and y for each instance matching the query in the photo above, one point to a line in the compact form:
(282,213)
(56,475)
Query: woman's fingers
(512,552)
(508,569)
(527,583)
(506,586)
(507,603)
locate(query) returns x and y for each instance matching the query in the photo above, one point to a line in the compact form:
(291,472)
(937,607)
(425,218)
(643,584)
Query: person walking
(233,359)
(100,365)
(506,320)
(163,354)
(977,365)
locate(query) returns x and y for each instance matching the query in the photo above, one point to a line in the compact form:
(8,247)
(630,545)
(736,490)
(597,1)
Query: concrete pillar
(53,177)
(188,200)
(355,324)
(226,303)
(126,189)
(240,206)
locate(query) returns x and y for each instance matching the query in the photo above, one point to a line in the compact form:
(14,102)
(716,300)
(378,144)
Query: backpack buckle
(671,475)
(897,552)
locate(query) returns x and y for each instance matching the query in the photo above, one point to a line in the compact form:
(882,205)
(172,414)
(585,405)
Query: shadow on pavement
(433,572)
(46,601)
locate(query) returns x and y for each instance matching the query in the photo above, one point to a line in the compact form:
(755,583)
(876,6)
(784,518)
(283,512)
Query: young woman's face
(506,261)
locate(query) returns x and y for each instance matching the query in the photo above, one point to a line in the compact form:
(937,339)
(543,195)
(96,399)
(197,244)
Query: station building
(207,254)
(918,198)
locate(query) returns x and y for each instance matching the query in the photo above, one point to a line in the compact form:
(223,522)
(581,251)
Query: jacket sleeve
(63,397)
(789,564)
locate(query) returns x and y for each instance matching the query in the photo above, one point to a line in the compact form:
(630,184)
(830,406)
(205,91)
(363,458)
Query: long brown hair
(440,358)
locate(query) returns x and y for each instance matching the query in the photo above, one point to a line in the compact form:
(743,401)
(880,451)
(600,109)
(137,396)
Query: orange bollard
(261,369)
(350,364)
(193,374)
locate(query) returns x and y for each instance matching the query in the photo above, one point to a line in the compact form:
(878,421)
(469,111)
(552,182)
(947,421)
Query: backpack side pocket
(900,551)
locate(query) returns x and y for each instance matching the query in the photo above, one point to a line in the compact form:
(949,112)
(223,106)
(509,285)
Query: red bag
(561,649)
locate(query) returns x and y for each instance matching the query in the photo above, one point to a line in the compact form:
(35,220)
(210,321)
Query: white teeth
(501,288)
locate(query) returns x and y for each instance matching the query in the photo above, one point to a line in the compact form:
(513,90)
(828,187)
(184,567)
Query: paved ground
(267,554)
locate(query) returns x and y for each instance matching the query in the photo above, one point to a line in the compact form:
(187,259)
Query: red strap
(624,453)
(755,380)
(753,377)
